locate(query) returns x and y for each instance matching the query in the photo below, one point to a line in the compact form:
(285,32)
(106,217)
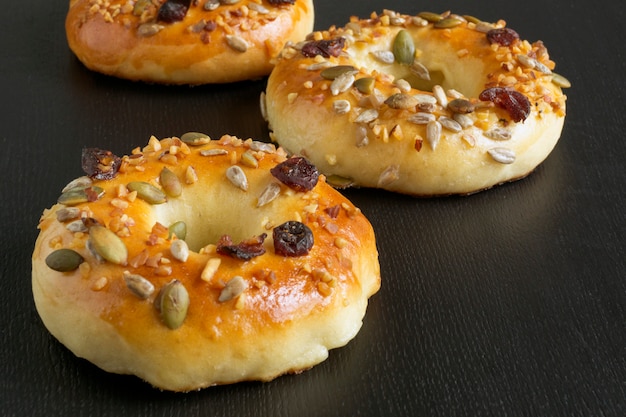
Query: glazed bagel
(184,41)
(191,266)
(433,104)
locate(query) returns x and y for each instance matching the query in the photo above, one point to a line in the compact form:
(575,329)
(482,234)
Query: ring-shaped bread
(432,104)
(191,266)
(184,41)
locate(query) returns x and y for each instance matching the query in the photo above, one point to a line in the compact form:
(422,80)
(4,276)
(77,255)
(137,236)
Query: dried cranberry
(502,36)
(279,2)
(296,173)
(325,48)
(245,250)
(292,238)
(514,102)
(173,11)
(100,164)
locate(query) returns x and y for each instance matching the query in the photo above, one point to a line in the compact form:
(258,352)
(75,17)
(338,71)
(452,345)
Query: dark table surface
(510,302)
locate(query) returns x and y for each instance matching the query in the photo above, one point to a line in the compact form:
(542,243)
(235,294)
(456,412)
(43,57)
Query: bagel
(184,41)
(204,264)
(425,105)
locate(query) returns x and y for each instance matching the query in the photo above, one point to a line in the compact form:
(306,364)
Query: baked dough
(118,281)
(432,104)
(184,41)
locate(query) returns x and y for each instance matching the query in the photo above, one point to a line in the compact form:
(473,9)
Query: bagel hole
(207,219)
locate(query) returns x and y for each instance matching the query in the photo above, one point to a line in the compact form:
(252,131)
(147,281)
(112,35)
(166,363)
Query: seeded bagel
(184,41)
(432,104)
(203,264)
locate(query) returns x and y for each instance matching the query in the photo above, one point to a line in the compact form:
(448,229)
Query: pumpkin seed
(560,80)
(269,194)
(448,22)
(401,101)
(173,304)
(237,43)
(236,175)
(178,229)
(342,83)
(433,133)
(195,138)
(337,181)
(471,19)
(141,6)
(179,250)
(80,182)
(234,288)
(404,48)
(341,106)
(64,260)
(147,192)
(431,17)
(365,85)
(386,57)
(80,195)
(138,285)
(108,245)
(334,72)
(502,155)
(420,70)
(170,183)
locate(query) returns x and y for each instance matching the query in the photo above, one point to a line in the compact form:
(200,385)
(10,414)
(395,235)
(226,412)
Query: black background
(510,302)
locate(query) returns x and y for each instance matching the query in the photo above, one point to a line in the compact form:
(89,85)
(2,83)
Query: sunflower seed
(179,250)
(361,137)
(248,159)
(403,85)
(213,152)
(367,116)
(138,285)
(269,194)
(67,213)
(211,5)
(257,146)
(450,124)
(498,133)
(77,226)
(234,288)
(433,133)
(440,95)
(389,175)
(342,83)
(341,106)
(149,29)
(418,69)
(425,99)
(502,155)
(401,101)
(259,8)
(236,175)
(64,260)
(463,119)
(386,57)
(421,118)
(237,43)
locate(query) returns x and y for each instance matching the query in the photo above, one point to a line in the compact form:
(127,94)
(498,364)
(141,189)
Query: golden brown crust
(292,311)
(359,125)
(124,39)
